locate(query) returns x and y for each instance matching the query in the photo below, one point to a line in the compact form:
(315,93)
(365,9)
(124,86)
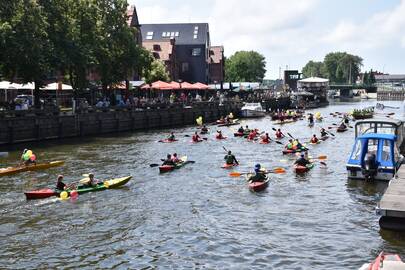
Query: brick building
(164,51)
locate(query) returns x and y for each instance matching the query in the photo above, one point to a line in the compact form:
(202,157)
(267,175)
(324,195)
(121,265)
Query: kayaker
(311,118)
(302,161)
(323,133)
(290,145)
(59,184)
(346,119)
(342,126)
(219,135)
(230,159)
(204,129)
(266,138)
(298,145)
(196,137)
(171,137)
(314,139)
(91,182)
(175,159)
(241,130)
(279,134)
(252,135)
(247,130)
(259,175)
(168,161)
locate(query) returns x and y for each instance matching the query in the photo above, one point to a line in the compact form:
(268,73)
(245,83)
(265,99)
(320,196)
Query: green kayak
(113,183)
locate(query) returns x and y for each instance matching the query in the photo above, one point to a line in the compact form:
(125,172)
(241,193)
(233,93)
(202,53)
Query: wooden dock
(392,204)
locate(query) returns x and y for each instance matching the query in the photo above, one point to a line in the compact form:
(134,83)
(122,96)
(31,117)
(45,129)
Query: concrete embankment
(34,127)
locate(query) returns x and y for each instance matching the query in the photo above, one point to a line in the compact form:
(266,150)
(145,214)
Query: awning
(57,86)
(8,85)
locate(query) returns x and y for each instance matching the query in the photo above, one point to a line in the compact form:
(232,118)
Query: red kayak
(239,134)
(40,194)
(263,142)
(220,138)
(197,141)
(258,186)
(227,166)
(168,141)
(169,168)
(385,261)
(341,129)
(303,169)
(291,151)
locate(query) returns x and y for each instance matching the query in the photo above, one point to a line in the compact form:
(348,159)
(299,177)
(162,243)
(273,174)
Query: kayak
(291,151)
(263,142)
(169,168)
(284,122)
(167,141)
(324,138)
(31,167)
(197,141)
(258,186)
(239,134)
(48,192)
(303,169)
(203,132)
(384,261)
(228,166)
(228,124)
(218,138)
(341,129)
(318,142)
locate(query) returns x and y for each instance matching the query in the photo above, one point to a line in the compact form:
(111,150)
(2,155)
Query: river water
(196,217)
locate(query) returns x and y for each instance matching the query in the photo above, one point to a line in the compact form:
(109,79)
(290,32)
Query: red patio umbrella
(200,86)
(145,87)
(187,85)
(175,85)
(161,85)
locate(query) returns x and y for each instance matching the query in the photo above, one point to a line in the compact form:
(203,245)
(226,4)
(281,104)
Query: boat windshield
(372,146)
(386,151)
(357,151)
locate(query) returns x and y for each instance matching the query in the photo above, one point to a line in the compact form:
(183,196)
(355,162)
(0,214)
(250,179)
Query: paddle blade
(235,174)
(323,163)
(322,157)
(279,171)
(279,142)
(153,165)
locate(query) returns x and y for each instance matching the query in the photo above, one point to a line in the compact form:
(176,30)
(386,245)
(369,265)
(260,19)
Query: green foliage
(314,69)
(245,66)
(68,37)
(157,72)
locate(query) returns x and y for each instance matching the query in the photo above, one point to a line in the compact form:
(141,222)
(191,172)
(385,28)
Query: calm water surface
(196,217)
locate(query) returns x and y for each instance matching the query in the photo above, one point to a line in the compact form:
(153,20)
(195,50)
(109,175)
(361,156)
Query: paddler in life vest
(241,130)
(196,137)
(171,137)
(168,161)
(279,134)
(346,119)
(219,135)
(302,161)
(290,145)
(323,133)
(230,159)
(91,181)
(297,145)
(314,139)
(247,130)
(252,135)
(175,159)
(59,184)
(266,138)
(259,175)
(311,119)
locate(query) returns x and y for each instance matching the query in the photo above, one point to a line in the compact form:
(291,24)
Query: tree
(341,67)
(25,46)
(314,69)
(156,72)
(245,66)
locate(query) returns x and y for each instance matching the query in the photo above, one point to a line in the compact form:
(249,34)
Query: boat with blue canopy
(374,157)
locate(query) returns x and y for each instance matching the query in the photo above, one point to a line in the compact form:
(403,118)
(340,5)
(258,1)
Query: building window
(184,67)
(156,55)
(177,34)
(195,36)
(149,35)
(156,47)
(196,52)
(164,34)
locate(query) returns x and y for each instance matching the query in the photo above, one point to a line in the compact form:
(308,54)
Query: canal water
(196,217)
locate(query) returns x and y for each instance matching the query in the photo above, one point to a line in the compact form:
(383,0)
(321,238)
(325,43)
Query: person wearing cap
(314,139)
(59,184)
(230,159)
(259,175)
(302,161)
(168,161)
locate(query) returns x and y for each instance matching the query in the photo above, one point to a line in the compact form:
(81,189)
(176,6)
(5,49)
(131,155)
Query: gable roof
(132,17)
(184,33)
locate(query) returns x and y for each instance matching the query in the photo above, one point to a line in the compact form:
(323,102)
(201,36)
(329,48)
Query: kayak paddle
(153,165)
(277,171)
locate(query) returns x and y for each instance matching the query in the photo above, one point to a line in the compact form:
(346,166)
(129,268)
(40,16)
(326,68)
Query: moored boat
(251,110)
(374,156)
(385,262)
(31,167)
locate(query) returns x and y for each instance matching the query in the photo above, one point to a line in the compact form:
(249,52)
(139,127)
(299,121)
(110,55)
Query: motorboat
(375,156)
(253,110)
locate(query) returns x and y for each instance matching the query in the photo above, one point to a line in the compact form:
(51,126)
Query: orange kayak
(31,167)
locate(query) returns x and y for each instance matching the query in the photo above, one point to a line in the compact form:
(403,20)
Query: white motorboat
(253,110)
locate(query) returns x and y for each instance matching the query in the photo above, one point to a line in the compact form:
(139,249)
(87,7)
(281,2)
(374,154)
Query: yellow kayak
(31,167)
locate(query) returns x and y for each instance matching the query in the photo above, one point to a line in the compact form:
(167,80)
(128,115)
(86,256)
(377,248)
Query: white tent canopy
(54,86)
(8,85)
(314,80)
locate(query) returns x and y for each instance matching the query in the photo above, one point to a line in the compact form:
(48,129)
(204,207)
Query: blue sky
(292,32)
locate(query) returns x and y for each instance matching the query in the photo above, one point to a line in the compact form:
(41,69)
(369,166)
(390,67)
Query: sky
(289,33)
